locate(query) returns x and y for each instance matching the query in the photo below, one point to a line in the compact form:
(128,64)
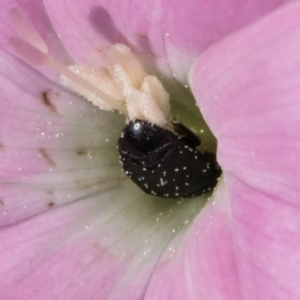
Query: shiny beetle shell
(166,164)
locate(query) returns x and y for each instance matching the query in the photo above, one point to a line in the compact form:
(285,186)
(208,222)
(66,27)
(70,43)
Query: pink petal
(66,253)
(191,26)
(35,12)
(266,238)
(248,89)
(202,264)
(44,130)
(90,249)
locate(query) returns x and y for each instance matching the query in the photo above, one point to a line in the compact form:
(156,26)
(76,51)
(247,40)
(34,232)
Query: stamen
(60,68)
(121,54)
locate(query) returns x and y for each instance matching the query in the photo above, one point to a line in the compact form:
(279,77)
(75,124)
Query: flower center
(120,83)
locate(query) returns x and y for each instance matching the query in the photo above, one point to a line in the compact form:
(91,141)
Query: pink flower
(73,227)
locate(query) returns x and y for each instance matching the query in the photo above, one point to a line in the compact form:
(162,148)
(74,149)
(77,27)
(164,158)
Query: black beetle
(166,164)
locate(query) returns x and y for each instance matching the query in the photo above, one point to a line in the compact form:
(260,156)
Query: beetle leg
(186,134)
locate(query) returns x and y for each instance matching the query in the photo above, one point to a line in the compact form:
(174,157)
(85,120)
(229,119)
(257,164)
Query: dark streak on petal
(1,202)
(46,156)
(81,152)
(1,147)
(51,204)
(83,184)
(47,102)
